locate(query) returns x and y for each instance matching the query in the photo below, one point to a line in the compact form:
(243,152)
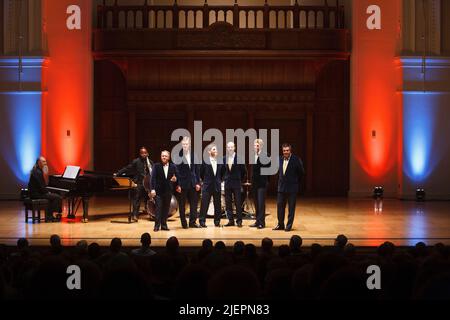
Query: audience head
(207,244)
(146,239)
(82,247)
(295,243)
(220,246)
(55,241)
(386,249)
(238,248)
(22,243)
(266,245)
(172,245)
(340,241)
(94,251)
(116,245)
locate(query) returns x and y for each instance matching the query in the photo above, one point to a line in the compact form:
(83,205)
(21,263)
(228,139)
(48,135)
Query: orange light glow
(374,142)
(69,100)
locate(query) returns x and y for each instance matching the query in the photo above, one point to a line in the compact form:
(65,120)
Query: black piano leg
(85,209)
(71,208)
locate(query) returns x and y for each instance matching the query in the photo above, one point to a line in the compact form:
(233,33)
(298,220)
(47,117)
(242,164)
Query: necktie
(285,164)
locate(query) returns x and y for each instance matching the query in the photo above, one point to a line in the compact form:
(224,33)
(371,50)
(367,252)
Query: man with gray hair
(211,173)
(235,173)
(37,188)
(164,183)
(260,183)
(189,181)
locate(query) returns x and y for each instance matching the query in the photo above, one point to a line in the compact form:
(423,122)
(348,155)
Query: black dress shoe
(230,224)
(165,228)
(202,225)
(239,224)
(260,227)
(193,225)
(288,229)
(156,229)
(217,224)
(278,227)
(185,226)
(255,225)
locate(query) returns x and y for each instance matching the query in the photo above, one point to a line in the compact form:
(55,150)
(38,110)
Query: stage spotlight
(378,192)
(420,194)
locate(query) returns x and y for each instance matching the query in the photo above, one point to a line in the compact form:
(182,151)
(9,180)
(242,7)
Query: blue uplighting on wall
(21,137)
(419,114)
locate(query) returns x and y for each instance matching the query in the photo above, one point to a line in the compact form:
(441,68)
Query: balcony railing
(145,16)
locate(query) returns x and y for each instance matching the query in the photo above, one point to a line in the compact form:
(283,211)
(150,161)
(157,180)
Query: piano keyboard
(57,189)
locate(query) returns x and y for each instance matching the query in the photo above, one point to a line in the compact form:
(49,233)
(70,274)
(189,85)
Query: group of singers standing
(187,179)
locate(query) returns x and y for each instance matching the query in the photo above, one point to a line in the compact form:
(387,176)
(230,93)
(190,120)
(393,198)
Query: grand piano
(78,188)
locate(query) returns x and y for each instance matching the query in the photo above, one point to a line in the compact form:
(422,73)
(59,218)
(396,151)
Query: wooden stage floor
(317,220)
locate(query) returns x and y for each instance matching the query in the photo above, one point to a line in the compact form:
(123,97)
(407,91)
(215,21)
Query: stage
(318,220)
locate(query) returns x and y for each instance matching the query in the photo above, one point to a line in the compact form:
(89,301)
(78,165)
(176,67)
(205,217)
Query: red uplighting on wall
(68,104)
(374,142)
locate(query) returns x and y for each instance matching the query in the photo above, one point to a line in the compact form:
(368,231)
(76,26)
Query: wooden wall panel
(110,118)
(307,99)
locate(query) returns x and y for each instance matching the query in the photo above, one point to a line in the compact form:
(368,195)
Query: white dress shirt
(213,164)
(166,169)
(230,161)
(285,164)
(256,157)
(188,158)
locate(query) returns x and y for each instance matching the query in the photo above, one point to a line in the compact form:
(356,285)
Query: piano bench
(36,206)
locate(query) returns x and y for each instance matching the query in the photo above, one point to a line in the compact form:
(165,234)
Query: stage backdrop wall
(67,116)
(20,114)
(374,144)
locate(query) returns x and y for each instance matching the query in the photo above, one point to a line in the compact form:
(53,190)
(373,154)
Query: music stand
(248,207)
(130,209)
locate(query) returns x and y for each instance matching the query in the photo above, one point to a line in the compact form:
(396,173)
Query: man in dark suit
(37,188)
(259,183)
(235,173)
(164,182)
(211,173)
(290,173)
(138,169)
(189,181)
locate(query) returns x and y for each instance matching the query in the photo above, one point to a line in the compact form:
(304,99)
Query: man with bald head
(37,188)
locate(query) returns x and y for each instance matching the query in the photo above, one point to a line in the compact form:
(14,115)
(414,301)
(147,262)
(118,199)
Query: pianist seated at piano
(37,188)
(139,170)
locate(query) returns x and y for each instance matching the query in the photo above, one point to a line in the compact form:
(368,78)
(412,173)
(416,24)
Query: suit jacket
(160,183)
(289,182)
(36,184)
(136,170)
(233,178)
(188,176)
(211,182)
(258,180)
